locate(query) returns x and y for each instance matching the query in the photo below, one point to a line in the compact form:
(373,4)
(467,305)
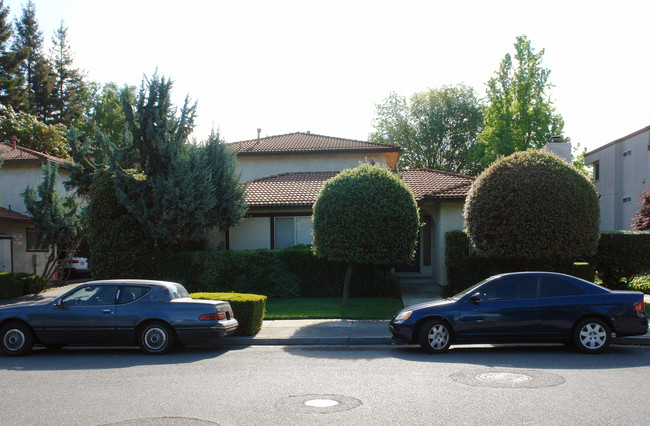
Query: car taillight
(74,261)
(213,317)
(639,306)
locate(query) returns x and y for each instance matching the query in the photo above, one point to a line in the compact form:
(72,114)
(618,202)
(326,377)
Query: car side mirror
(59,304)
(476,297)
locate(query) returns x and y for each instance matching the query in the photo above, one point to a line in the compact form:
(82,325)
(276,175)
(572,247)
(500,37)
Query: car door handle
(107,311)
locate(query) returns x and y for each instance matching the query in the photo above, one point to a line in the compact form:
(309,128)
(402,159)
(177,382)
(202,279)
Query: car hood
(430,304)
(26,304)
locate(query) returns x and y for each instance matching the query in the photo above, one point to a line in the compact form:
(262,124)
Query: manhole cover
(321,404)
(507,378)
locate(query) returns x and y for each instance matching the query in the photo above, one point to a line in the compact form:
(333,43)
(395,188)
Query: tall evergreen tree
(36,69)
(71,93)
(11,81)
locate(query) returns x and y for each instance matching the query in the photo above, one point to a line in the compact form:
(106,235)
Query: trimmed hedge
(10,286)
(621,256)
(293,272)
(249,309)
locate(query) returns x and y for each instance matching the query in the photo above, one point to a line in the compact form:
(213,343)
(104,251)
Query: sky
(323,66)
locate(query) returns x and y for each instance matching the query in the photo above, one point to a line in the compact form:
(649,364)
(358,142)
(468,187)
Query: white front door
(5,255)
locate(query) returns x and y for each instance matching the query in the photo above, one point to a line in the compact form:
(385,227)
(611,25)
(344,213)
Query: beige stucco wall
(22,260)
(14,178)
(263,166)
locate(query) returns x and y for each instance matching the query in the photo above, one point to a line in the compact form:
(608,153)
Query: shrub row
(15,285)
(620,257)
(293,272)
(249,309)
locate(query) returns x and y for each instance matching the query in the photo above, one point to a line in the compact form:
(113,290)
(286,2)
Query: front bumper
(401,332)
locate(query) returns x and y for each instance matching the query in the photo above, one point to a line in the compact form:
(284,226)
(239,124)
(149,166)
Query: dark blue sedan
(152,314)
(524,307)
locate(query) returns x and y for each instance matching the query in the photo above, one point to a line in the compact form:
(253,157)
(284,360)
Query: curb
(304,341)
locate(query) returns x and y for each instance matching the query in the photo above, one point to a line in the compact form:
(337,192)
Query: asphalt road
(327,385)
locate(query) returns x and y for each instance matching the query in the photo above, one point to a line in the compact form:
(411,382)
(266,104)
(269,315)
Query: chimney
(259,131)
(13,141)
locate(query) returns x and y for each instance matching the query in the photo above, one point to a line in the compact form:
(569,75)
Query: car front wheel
(435,336)
(17,339)
(156,338)
(592,336)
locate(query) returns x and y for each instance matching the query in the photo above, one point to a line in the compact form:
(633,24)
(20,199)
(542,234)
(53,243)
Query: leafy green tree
(180,189)
(11,81)
(533,206)
(641,221)
(520,114)
(59,221)
(36,69)
(33,133)
(438,128)
(365,215)
(70,97)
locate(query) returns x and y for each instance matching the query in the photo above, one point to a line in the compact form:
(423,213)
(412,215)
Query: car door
(130,311)
(507,309)
(87,315)
(562,303)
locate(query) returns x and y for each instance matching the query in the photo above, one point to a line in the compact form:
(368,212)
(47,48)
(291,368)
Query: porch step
(418,289)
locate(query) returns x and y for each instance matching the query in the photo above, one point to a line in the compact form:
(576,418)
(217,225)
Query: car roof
(133,281)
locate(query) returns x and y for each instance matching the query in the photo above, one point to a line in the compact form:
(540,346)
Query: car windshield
(178,291)
(470,290)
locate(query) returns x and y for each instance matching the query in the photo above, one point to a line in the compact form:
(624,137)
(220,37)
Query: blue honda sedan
(152,314)
(524,307)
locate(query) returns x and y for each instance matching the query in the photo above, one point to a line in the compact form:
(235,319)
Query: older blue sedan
(524,307)
(152,314)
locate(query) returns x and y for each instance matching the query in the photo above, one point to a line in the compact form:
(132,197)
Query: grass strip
(371,308)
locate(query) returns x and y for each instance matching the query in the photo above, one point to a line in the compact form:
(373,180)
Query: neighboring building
(19,251)
(621,171)
(285,174)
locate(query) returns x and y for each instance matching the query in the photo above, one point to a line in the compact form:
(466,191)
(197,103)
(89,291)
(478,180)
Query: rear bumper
(207,335)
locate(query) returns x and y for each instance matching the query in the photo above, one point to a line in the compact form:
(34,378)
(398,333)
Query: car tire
(156,338)
(435,336)
(592,336)
(17,339)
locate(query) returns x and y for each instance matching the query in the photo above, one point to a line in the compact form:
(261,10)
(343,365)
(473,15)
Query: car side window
(557,287)
(129,293)
(512,288)
(92,295)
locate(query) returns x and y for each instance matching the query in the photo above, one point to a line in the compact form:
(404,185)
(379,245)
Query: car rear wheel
(592,336)
(17,339)
(435,336)
(156,338)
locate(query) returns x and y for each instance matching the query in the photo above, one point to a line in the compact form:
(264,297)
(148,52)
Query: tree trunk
(346,286)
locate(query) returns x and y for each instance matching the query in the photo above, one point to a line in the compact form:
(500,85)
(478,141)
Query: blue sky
(322,66)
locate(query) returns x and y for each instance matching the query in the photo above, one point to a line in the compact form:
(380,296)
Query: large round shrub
(365,215)
(533,206)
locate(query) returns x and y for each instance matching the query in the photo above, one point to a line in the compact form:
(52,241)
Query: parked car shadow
(102,358)
(533,356)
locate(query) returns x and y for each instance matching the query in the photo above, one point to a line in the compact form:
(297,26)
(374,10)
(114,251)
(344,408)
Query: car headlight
(403,315)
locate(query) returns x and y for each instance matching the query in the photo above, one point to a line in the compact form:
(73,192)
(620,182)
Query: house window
(291,231)
(627,153)
(596,171)
(32,243)
(627,199)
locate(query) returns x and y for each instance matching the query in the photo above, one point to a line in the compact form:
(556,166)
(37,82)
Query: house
(285,174)
(19,250)
(621,173)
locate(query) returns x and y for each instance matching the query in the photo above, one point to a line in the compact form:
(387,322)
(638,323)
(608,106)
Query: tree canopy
(365,215)
(437,128)
(641,220)
(520,114)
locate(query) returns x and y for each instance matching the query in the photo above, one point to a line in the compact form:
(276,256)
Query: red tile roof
(301,189)
(298,143)
(25,155)
(6,214)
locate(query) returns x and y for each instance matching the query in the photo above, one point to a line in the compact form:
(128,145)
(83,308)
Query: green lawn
(322,308)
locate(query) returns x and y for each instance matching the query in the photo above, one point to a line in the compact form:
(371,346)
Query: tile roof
(298,143)
(302,189)
(6,214)
(25,155)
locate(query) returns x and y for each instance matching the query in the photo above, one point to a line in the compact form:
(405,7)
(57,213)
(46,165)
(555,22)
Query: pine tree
(11,82)
(35,68)
(70,95)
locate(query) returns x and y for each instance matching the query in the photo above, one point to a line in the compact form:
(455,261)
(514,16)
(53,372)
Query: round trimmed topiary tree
(533,206)
(365,215)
